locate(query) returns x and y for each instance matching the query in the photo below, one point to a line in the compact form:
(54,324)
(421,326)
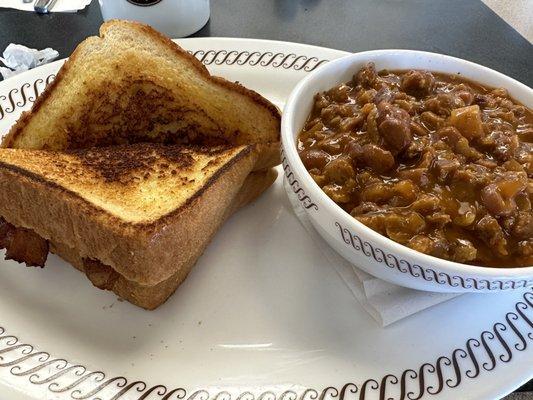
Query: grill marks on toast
(138,183)
(140,110)
(125,164)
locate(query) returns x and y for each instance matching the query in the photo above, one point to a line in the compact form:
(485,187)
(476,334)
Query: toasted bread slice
(133,84)
(151,297)
(144,210)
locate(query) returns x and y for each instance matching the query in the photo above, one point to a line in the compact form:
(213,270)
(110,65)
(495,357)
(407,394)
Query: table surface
(463,28)
(518,13)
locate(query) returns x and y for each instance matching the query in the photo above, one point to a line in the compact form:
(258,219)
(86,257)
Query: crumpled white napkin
(59,6)
(384,301)
(18,58)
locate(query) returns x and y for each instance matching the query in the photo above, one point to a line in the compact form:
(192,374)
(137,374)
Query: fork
(44,6)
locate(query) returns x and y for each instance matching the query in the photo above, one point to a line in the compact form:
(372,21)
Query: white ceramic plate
(261,317)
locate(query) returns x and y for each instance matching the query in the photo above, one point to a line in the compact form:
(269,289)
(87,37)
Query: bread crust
(58,215)
(151,297)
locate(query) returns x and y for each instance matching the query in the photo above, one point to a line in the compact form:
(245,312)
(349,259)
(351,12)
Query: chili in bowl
(417,167)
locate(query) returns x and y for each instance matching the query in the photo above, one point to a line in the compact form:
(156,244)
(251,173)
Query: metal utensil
(44,6)
(27,1)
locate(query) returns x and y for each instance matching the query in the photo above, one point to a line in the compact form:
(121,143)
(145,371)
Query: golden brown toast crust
(268,151)
(151,297)
(120,165)
(58,215)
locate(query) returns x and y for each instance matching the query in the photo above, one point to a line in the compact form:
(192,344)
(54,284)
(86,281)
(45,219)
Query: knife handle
(44,6)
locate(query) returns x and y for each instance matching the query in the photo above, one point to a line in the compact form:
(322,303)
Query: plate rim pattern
(430,378)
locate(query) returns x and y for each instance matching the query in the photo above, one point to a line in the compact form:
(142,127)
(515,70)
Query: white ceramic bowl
(359,244)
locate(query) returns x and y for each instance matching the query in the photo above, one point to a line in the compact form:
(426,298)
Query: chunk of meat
(463,148)
(484,100)
(23,245)
(499,197)
(339,170)
(525,133)
(349,124)
(523,225)
(354,150)
(525,248)
(384,94)
(463,251)
(465,94)
(473,175)
(394,126)
(102,276)
(378,193)
(366,76)
(373,221)
(487,163)
(465,215)
(512,182)
(444,168)
(443,103)
(450,135)
(418,129)
(431,120)
(402,227)
(439,219)
(492,234)
(416,175)
(364,208)
(339,194)
(321,101)
(418,83)
(406,189)
(421,243)
(399,227)
(425,204)
(340,93)
(499,92)
(373,156)
(468,121)
(504,144)
(415,149)
(367,97)
(372,126)
(507,116)
(333,143)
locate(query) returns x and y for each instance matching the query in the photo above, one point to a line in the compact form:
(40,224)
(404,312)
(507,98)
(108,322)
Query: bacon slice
(23,245)
(102,276)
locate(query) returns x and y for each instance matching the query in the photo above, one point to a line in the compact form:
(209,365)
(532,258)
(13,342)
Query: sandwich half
(135,218)
(132,84)
(130,161)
